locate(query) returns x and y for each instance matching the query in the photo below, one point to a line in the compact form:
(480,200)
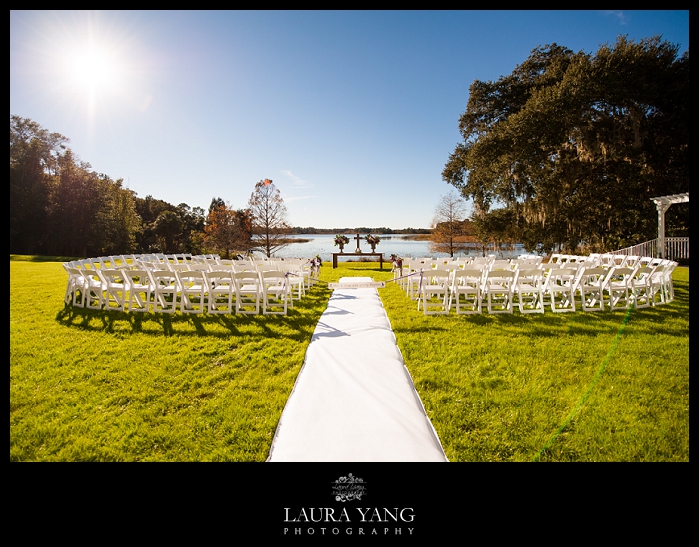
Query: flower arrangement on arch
(372,240)
(341,240)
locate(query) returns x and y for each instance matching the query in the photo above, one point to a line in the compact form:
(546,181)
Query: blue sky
(352,114)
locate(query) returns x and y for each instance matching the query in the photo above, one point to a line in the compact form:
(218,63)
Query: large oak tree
(576,145)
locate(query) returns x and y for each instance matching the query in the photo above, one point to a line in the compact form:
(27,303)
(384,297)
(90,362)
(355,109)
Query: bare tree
(448,225)
(268,218)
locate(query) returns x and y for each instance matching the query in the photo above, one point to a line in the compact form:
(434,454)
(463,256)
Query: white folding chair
(140,290)
(529,290)
(266,266)
(561,287)
(591,288)
(295,278)
(618,261)
(397,271)
(657,284)
(501,264)
(75,287)
(429,263)
(632,261)
(100,263)
(606,260)
(641,291)
(165,290)
(646,261)
(668,286)
(411,282)
(275,292)
(239,265)
(93,286)
(194,289)
(307,274)
(201,267)
(130,261)
(434,292)
(221,291)
(179,267)
(467,283)
(452,265)
(161,259)
(480,262)
(617,287)
(498,288)
(116,262)
(114,287)
(248,292)
(556,258)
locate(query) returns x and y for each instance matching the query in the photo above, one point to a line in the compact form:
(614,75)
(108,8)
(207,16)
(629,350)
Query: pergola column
(663,204)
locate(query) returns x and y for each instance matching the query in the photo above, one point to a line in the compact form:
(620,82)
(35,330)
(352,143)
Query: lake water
(323,245)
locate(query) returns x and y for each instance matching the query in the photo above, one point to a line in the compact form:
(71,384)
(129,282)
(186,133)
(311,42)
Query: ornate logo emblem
(349,488)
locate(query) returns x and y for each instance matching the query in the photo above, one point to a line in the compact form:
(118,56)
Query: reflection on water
(323,245)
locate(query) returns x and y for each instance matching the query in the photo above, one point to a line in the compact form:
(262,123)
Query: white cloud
(296,198)
(297,181)
(619,14)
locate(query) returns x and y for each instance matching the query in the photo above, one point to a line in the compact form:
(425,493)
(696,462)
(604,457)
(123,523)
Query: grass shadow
(297,324)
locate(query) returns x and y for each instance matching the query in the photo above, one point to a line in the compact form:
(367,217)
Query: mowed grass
(112,386)
(584,386)
(108,386)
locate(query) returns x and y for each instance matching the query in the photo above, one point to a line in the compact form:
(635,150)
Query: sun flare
(92,69)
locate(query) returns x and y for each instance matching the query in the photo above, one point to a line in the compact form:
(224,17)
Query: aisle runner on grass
(354,400)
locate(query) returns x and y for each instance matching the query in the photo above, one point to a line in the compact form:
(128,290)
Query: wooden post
(358,249)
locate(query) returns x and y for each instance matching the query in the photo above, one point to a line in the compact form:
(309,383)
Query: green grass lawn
(111,386)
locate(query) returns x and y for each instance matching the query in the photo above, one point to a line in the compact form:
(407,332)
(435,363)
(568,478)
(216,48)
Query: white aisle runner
(354,400)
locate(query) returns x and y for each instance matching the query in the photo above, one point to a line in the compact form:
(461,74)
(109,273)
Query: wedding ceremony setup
(468,285)
(354,399)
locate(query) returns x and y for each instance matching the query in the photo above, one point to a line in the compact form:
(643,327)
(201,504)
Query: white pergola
(663,204)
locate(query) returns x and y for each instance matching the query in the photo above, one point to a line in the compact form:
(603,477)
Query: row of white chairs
(485,262)
(118,261)
(299,267)
(165,260)
(405,275)
(531,288)
(185,262)
(271,289)
(154,260)
(606,260)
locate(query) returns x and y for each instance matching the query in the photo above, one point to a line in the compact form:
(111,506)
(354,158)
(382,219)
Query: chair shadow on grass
(550,324)
(301,320)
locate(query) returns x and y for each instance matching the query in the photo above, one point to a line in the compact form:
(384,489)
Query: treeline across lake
(360,230)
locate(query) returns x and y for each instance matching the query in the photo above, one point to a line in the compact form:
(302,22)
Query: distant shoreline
(297,230)
(412,237)
(398,235)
